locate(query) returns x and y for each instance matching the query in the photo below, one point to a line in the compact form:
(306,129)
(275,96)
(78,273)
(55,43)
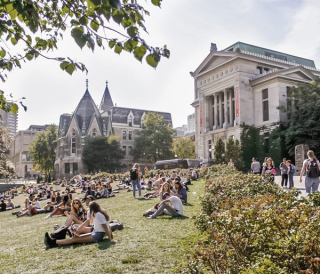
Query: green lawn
(143,246)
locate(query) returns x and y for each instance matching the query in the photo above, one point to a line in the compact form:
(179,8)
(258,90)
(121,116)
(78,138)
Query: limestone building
(243,84)
(9,120)
(89,121)
(19,151)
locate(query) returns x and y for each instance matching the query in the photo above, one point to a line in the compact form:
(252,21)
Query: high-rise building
(9,121)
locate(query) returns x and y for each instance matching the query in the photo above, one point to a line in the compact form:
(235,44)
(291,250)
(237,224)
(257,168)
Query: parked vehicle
(176,163)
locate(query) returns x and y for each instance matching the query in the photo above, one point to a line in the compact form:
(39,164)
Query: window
(130,149)
(73,142)
(259,70)
(130,121)
(94,133)
(130,135)
(124,148)
(289,104)
(124,135)
(75,168)
(265,71)
(210,149)
(67,168)
(265,105)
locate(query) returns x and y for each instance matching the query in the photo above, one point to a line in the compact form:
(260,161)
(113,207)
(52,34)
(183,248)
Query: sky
(188,28)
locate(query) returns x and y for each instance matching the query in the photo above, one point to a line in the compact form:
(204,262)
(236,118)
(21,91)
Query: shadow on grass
(187,204)
(105,244)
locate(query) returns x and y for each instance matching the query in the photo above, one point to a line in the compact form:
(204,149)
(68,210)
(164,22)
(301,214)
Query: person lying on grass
(101,228)
(35,205)
(171,205)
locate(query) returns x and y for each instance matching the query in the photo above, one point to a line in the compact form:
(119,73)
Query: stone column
(231,108)
(210,103)
(226,122)
(215,110)
(220,109)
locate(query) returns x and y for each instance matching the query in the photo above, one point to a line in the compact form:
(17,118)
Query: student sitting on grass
(104,193)
(180,191)
(101,228)
(165,188)
(171,205)
(64,206)
(35,205)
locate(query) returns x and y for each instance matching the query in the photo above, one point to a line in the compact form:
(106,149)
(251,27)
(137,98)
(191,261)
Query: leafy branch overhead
(40,25)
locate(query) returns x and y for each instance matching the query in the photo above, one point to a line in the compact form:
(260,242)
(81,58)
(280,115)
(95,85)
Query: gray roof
(106,102)
(120,115)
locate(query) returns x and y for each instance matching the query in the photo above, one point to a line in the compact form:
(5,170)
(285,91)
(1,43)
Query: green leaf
(13,41)
(63,65)
(94,24)
(77,34)
(132,31)
(12,12)
(117,17)
(112,43)
(91,7)
(2,53)
(29,56)
(70,68)
(156,2)
(115,3)
(151,60)
(14,108)
(83,20)
(118,48)
(139,52)
(130,45)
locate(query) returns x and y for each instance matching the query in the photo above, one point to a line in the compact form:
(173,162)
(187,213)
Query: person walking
(284,173)
(134,175)
(291,171)
(255,166)
(311,167)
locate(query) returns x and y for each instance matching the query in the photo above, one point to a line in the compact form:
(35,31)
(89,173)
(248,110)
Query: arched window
(130,120)
(73,142)
(94,133)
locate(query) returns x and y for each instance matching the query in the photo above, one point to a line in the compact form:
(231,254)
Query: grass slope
(143,246)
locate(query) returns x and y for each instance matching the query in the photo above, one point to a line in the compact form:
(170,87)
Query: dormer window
(73,142)
(94,133)
(130,120)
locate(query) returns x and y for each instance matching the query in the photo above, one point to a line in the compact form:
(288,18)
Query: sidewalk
(297,184)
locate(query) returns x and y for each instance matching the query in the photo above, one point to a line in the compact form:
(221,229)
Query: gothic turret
(106,102)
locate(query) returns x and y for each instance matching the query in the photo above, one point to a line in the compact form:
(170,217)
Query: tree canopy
(219,151)
(154,141)
(43,149)
(303,111)
(6,166)
(233,151)
(37,27)
(102,154)
(184,147)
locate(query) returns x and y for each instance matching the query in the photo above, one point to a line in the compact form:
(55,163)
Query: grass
(143,246)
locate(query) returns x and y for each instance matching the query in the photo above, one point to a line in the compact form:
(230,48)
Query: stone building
(243,84)
(9,120)
(19,151)
(89,121)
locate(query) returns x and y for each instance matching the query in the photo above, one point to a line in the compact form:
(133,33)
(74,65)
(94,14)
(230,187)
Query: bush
(253,226)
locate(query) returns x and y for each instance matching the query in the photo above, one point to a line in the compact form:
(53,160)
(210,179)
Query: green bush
(251,225)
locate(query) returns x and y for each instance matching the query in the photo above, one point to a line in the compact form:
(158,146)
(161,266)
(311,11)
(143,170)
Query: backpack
(293,169)
(133,174)
(61,233)
(312,169)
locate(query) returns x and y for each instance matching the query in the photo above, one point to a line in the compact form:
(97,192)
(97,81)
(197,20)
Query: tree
(184,147)
(233,151)
(154,141)
(43,149)
(6,166)
(303,104)
(219,150)
(102,153)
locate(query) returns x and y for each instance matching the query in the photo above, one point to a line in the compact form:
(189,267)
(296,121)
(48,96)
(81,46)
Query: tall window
(73,142)
(67,168)
(130,121)
(265,105)
(129,150)
(94,133)
(124,148)
(210,149)
(289,104)
(130,135)
(124,135)
(75,168)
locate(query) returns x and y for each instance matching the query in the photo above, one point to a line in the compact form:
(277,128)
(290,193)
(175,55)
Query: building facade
(243,84)
(9,120)
(89,121)
(19,151)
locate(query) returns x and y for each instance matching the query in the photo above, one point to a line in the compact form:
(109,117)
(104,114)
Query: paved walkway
(297,184)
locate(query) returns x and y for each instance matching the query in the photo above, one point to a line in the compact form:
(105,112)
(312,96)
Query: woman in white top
(101,227)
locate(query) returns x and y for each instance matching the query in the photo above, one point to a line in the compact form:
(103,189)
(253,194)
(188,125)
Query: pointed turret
(106,102)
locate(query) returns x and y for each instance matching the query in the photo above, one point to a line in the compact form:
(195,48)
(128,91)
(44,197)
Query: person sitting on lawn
(10,204)
(171,205)
(104,193)
(3,206)
(165,188)
(35,205)
(64,206)
(101,228)
(86,226)
(180,191)
(78,213)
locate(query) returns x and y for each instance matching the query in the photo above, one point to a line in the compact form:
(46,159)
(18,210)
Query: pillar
(232,110)
(220,109)
(226,122)
(215,110)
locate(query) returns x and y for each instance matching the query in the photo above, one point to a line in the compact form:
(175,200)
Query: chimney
(213,47)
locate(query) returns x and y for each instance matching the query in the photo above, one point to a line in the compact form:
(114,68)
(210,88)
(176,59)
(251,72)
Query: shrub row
(251,225)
